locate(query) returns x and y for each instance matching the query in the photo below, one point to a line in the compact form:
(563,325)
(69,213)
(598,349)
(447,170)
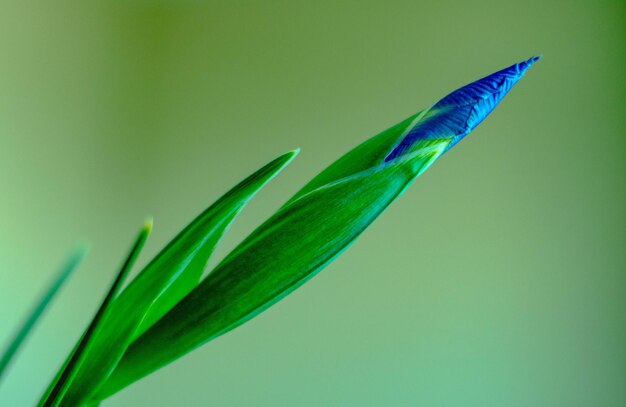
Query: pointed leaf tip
(148,225)
(290,155)
(82,250)
(284,159)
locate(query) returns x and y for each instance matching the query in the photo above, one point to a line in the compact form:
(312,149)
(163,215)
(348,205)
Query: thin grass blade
(27,326)
(313,227)
(56,397)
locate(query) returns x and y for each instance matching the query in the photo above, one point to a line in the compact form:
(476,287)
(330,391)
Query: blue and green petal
(457,114)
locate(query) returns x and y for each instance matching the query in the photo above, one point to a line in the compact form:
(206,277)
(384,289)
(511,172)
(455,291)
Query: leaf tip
(148,224)
(288,157)
(81,251)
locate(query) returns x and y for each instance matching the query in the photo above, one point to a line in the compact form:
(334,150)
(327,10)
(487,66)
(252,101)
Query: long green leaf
(315,226)
(28,324)
(282,254)
(174,272)
(56,397)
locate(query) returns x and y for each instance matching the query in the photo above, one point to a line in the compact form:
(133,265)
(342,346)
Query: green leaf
(27,326)
(283,253)
(174,272)
(56,396)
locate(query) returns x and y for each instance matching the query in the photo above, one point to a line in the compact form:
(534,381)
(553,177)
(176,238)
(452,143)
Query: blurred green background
(499,278)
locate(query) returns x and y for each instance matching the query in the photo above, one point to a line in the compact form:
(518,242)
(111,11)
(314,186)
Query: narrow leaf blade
(27,326)
(56,396)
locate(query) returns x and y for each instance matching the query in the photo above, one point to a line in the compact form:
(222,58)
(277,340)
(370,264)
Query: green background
(498,279)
